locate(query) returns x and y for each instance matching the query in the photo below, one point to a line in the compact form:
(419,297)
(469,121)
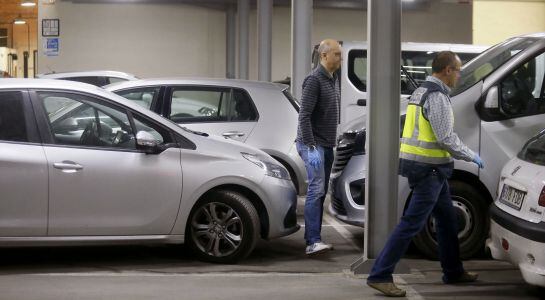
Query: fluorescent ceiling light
(28,3)
(19,21)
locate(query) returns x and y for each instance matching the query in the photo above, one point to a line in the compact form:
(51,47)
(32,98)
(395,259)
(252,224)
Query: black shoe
(464,278)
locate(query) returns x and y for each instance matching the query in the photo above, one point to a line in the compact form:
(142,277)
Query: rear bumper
(527,254)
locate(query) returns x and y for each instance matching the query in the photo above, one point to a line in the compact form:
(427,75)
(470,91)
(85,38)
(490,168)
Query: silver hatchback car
(80,165)
(260,114)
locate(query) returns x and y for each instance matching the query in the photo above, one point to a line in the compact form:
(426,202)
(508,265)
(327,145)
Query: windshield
(534,150)
(490,60)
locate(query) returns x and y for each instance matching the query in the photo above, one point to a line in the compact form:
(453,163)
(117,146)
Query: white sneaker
(317,248)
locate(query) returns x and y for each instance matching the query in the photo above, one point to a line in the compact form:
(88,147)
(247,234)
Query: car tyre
(223,227)
(471,209)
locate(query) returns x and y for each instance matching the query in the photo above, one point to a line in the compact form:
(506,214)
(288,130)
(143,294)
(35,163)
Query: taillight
(541,201)
(505,244)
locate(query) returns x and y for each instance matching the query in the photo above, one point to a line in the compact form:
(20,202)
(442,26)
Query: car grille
(338,206)
(343,154)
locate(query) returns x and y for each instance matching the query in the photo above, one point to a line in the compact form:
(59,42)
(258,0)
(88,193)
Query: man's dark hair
(443,60)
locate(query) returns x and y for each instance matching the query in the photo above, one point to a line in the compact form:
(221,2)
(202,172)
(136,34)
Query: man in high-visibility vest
(428,146)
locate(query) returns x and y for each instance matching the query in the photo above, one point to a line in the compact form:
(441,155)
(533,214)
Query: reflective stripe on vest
(418,142)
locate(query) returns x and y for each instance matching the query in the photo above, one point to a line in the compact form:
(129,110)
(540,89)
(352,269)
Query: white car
(80,165)
(98,78)
(517,219)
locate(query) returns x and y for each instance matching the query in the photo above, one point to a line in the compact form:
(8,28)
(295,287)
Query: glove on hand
(314,158)
(478,161)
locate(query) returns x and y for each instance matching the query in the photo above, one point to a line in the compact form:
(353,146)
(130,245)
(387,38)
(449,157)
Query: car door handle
(68,166)
(230,134)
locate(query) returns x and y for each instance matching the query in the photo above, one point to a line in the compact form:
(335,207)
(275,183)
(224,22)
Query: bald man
(316,137)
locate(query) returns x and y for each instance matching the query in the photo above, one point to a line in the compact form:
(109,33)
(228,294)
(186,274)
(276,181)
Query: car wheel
(223,227)
(471,210)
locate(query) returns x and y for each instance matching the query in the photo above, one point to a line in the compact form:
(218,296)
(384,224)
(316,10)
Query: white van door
(522,107)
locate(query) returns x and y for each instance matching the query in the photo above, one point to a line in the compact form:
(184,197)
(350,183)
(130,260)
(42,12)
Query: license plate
(512,197)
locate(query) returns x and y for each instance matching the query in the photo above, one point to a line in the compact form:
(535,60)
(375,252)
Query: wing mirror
(492,99)
(147,142)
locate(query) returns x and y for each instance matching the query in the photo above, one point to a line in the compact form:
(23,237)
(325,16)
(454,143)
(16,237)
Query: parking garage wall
(151,40)
(148,40)
(497,20)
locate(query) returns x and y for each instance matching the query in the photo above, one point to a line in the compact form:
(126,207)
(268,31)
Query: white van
(416,59)
(498,105)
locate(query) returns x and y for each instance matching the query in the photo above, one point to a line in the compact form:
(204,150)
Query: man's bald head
(330,54)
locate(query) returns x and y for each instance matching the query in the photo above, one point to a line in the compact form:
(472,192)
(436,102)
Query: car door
(520,116)
(23,169)
(99,182)
(222,111)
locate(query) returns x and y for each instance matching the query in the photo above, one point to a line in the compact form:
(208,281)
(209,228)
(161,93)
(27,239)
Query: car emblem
(515,171)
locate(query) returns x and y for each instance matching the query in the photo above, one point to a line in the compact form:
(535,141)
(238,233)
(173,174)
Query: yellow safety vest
(418,141)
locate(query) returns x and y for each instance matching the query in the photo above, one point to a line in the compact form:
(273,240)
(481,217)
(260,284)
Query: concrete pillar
(231,35)
(301,46)
(264,39)
(243,10)
(383,94)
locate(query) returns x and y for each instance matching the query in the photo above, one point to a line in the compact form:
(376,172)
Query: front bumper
(281,203)
(347,194)
(525,249)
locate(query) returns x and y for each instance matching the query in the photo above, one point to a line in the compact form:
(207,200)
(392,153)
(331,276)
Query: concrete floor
(276,270)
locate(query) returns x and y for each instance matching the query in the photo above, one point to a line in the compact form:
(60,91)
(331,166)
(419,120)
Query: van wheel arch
(471,200)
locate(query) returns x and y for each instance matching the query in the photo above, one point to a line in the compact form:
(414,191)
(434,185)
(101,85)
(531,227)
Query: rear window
(534,150)
(296,104)
(94,80)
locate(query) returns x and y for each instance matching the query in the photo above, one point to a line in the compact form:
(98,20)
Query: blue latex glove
(478,161)
(314,158)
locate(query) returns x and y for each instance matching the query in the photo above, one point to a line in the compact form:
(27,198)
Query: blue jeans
(318,181)
(431,195)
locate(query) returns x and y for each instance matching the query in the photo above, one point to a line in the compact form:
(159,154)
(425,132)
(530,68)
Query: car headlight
(270,166)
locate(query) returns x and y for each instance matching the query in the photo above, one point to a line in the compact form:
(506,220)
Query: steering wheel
(90,134)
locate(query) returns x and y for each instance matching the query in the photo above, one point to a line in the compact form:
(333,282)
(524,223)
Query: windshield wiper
(195,132)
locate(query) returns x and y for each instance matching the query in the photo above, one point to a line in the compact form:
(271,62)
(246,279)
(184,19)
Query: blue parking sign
(51,46)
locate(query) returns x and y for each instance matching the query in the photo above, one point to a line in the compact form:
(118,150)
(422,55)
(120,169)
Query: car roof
(408,46)
(66,85)
(104,73)
(196,81)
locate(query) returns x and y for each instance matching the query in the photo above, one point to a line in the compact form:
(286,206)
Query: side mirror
(362,102)
(492,99)
(147,142)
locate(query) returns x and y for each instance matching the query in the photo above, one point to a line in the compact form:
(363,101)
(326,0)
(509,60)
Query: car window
(94,80)
(114,80)
(534,150)
(242,108)
(357,69)
(12,117)
(198,105)
(81,121)
(489,61)
(521,92)
(141,96)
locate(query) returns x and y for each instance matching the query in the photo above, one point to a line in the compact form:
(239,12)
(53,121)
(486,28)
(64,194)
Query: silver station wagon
(80,165)
(260,114)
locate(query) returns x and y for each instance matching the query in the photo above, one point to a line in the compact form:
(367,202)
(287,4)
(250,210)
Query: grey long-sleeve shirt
(319,113)
(438,110)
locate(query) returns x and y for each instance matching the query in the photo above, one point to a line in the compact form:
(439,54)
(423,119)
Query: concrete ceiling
(223,4)
(11,9)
